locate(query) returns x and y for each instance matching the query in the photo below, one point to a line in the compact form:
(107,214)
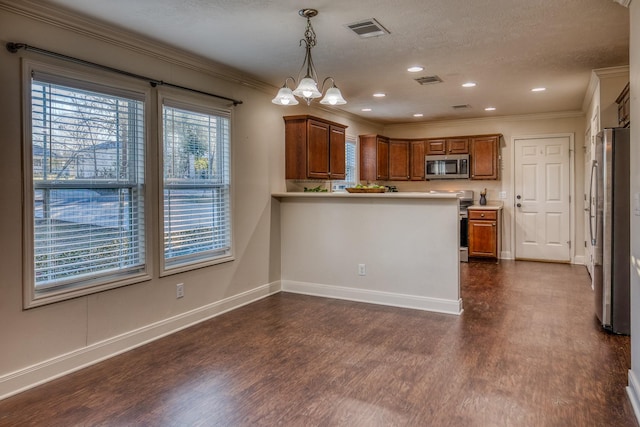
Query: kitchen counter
(398,195)
(490,206)
(399,249)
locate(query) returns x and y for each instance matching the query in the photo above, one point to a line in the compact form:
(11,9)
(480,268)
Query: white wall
(509,127)
(634,62)
(44,342)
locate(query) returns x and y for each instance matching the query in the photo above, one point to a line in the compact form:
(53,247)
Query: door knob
(518,197)
(519,205)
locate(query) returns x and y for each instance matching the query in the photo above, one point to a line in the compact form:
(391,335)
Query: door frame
(572,190)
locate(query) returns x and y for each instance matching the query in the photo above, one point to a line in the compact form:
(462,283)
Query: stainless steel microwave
(454,166)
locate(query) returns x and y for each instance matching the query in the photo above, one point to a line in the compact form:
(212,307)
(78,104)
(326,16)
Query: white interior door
(542,191)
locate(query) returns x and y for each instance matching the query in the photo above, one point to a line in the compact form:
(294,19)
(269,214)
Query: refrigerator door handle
(592,216)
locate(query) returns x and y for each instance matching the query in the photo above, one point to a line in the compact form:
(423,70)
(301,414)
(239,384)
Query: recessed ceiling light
(379,95)
(418,115)
(490,109)
(538,89)
(366,109)
(469,84)
(415,69)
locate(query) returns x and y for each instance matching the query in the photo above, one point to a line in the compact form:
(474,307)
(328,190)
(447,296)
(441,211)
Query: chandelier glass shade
(307,88)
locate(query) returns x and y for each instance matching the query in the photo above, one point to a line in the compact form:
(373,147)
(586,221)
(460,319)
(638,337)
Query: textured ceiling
(506,46)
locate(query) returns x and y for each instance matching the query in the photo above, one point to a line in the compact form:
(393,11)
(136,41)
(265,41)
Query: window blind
(196,190)
(350,158)
(87,150)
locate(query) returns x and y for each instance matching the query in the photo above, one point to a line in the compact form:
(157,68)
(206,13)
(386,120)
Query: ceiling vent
(368,28)
(461,107)
(429,80)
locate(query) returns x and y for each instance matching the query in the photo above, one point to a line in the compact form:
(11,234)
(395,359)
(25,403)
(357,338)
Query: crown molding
(106,33)
(611,72)
(501,119)
(600,74)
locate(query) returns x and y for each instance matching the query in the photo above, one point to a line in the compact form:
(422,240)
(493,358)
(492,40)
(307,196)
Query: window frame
(201,105)
(340,185)
(112,85)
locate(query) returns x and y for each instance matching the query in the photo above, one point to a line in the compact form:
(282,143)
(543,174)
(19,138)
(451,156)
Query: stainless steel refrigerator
(609,229)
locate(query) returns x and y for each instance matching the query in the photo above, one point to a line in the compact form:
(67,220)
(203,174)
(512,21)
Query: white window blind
(87,161)
(351,170)
(350,156)
(196,186)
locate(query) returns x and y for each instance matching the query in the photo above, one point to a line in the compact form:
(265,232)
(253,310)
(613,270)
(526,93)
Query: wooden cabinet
(387,159)
(337,153)
(374,158)
(484,155)
(314,148)
(484,232)
(399,155)
(416,160)
(447,146)
(435,146)
(624,107)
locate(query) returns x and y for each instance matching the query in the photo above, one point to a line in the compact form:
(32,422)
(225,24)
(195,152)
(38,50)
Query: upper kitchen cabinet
(447,146)
(374,158)
(624,107)
(484,152)
(417,160)
(314,148)
(399,155)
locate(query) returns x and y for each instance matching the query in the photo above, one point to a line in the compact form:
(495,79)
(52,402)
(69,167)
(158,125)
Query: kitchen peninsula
(398,249)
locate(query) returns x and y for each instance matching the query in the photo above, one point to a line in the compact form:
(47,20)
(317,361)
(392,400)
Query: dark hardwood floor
(527,351)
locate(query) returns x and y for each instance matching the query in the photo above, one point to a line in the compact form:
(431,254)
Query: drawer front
(482,214)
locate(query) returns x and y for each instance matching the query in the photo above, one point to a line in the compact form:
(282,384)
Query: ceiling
(507,47)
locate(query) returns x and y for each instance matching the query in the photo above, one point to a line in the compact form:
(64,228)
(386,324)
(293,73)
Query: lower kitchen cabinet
(484,231)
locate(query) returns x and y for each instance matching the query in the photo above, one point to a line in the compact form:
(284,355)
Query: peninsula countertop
(387,195)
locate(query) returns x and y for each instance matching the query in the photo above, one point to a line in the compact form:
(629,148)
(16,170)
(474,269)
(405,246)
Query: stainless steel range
(466,199)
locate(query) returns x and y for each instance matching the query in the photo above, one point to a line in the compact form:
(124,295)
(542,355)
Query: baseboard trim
(633,392)
(437,305)
(40,373)
(578,260)
(506,255)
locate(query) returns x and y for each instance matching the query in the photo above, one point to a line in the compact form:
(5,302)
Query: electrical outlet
(502,195)
(180,290)
(362,270)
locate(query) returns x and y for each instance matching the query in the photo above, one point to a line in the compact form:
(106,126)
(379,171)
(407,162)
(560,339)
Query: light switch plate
(502,195)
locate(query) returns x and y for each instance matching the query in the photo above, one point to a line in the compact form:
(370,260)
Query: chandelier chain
(309,35)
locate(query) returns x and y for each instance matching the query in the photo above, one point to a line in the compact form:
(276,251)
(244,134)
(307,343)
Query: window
(350,155)
(85,147)
(196,188)
(351,171)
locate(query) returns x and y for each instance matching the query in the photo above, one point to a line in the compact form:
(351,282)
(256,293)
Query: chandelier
(307,88)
